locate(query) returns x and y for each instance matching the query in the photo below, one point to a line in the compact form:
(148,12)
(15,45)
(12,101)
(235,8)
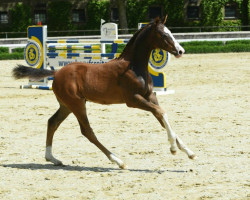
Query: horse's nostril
(180,52)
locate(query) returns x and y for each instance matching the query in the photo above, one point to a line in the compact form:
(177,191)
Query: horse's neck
(139,59)
(137,53)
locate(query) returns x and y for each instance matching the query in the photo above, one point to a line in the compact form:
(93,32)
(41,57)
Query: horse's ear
(157,20)
(165,19)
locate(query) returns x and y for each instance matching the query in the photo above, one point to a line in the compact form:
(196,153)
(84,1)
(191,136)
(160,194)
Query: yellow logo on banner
(33,54)
(158,59)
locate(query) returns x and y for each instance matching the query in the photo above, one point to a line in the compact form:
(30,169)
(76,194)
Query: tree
(245,12)
(122,15)
(20,17)
(59,15)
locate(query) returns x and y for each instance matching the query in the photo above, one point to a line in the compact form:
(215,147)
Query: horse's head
(164,39)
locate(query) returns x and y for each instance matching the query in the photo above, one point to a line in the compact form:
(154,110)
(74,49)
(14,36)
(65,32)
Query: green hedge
(247,42)
(4,50)
(18,50)
(217,47)
(11,56)
(17,53)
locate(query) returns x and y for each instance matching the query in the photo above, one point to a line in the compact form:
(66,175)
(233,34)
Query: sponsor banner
(60,62)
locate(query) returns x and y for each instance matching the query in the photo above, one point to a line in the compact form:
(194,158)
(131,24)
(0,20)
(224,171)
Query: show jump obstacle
(44,53)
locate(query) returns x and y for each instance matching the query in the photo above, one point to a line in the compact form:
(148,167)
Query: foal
(122,80)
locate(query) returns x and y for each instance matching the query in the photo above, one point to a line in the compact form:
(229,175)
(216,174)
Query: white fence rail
(181,37)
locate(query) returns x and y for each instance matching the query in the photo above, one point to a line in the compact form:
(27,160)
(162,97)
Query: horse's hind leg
(87,131)
(53,123)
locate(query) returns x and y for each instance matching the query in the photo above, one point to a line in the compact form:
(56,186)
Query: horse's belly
(104,97)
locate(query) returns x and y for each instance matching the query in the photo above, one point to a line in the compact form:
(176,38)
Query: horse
(125,79)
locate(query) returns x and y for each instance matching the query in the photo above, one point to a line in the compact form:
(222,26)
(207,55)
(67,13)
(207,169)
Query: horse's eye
(163,36)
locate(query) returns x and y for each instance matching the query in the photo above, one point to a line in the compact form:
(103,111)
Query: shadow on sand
(33,166)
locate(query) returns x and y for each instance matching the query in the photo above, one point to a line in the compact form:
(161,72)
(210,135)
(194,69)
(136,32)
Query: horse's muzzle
(179,51)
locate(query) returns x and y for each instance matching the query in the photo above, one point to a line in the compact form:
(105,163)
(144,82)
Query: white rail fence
(13,43)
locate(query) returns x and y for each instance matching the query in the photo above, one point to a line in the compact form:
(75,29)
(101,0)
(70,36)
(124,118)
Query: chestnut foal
(122,80)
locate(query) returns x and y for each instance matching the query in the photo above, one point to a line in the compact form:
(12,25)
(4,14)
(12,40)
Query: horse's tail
(21,71)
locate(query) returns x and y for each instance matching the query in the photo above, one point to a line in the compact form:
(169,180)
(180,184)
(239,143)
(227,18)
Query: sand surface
(210,111)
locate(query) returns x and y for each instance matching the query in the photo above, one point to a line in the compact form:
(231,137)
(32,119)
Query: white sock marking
(175,140)
(116,160)
(184,148)
(171,133)
(50,157)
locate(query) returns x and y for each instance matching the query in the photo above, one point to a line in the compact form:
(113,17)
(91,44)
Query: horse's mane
(138,34)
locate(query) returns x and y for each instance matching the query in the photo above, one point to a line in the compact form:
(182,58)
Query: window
(78,16)
(3,18)
(114,14)
(40,16)
(193,12)
(154,12)
(230,11)
(193,1)
(41,5)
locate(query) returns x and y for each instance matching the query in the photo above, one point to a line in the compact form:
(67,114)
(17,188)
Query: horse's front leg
(151,104)
(175,139)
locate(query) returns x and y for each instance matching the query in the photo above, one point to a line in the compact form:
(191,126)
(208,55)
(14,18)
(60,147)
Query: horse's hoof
(123,166)
(173,151)
(58,163)
(193,156)
(55,162)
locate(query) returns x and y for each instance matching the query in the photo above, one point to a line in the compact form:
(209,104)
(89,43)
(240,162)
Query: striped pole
(84,55)
(118,41)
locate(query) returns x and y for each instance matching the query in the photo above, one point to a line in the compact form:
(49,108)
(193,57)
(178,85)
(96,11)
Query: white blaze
(177,45)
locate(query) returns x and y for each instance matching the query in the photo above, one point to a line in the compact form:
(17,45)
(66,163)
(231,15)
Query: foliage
(137,11)
(20,17)
(18,50)
(11,56)
(4,50)
(175,11)
(97,10)
(213,14)
(59,15)
(5,55)
(246,42)
(245,12)
(233,23)
(217,47)
(201,43)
